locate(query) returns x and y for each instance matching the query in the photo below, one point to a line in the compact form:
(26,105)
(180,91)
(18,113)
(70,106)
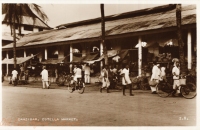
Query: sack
(152,83)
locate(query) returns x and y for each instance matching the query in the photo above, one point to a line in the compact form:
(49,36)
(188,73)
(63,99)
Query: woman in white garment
(155,76)
(126,80)
(105,80)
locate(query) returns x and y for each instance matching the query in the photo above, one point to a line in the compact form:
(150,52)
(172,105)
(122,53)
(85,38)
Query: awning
(53,61)
(20,60)
(123,54)
(90,57)
(110,53)
(77,59)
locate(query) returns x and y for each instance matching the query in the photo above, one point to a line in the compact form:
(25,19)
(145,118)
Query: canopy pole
(139,56)
(189,42)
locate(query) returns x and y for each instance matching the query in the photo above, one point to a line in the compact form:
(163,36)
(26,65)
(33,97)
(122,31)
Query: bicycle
(187,90)
(79,85)
(63,79)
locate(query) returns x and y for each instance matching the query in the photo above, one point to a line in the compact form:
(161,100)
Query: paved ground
(29,105)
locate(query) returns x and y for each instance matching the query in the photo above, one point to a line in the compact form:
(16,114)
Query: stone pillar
(71,52)
(45,53)
(189,44)
(140,56)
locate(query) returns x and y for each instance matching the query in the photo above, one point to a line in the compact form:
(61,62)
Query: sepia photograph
(99,64)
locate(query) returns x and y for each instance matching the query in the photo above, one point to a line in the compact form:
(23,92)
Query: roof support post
(189,44)
(139,55)
(71,52)
(45,53)
(24,52)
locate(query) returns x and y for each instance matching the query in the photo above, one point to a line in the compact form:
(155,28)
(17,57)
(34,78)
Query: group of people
(23,72)
(107,72)
(158,74)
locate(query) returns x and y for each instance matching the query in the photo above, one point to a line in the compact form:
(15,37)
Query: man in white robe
(45,78)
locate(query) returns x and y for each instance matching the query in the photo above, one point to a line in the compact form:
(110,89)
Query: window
(28,27)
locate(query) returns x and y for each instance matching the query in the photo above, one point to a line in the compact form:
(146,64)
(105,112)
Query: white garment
(176,70)
(114,70)
(14,74)
(156,76)
(126,79)
(155,73)
(105,80)
(87,78)
(162,72)
(44,74)
(77,74)
(176,84)
(45,83)
(83,67)
(87,70)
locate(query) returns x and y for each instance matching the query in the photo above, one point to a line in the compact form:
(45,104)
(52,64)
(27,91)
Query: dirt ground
(30,105)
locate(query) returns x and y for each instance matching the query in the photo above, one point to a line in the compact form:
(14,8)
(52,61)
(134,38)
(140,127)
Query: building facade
(146,34)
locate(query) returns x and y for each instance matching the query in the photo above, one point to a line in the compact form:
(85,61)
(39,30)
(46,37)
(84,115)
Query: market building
(137,38)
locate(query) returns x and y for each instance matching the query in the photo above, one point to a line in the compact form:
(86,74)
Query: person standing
(126,80)
(155,76)
(26,74)
(105,80)
(176,74)
(45,77)
(83,72)
(14,77)
(87,74)
(21,72)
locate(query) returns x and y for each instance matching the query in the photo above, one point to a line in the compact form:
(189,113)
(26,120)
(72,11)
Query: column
(101,53)
(140,56)
(24,52)
(45,53)
(7,57)
(71,52)
(189,44)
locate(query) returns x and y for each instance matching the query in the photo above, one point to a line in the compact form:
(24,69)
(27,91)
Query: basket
(182,81)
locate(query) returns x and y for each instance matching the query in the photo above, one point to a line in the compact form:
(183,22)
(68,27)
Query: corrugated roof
(159,20)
